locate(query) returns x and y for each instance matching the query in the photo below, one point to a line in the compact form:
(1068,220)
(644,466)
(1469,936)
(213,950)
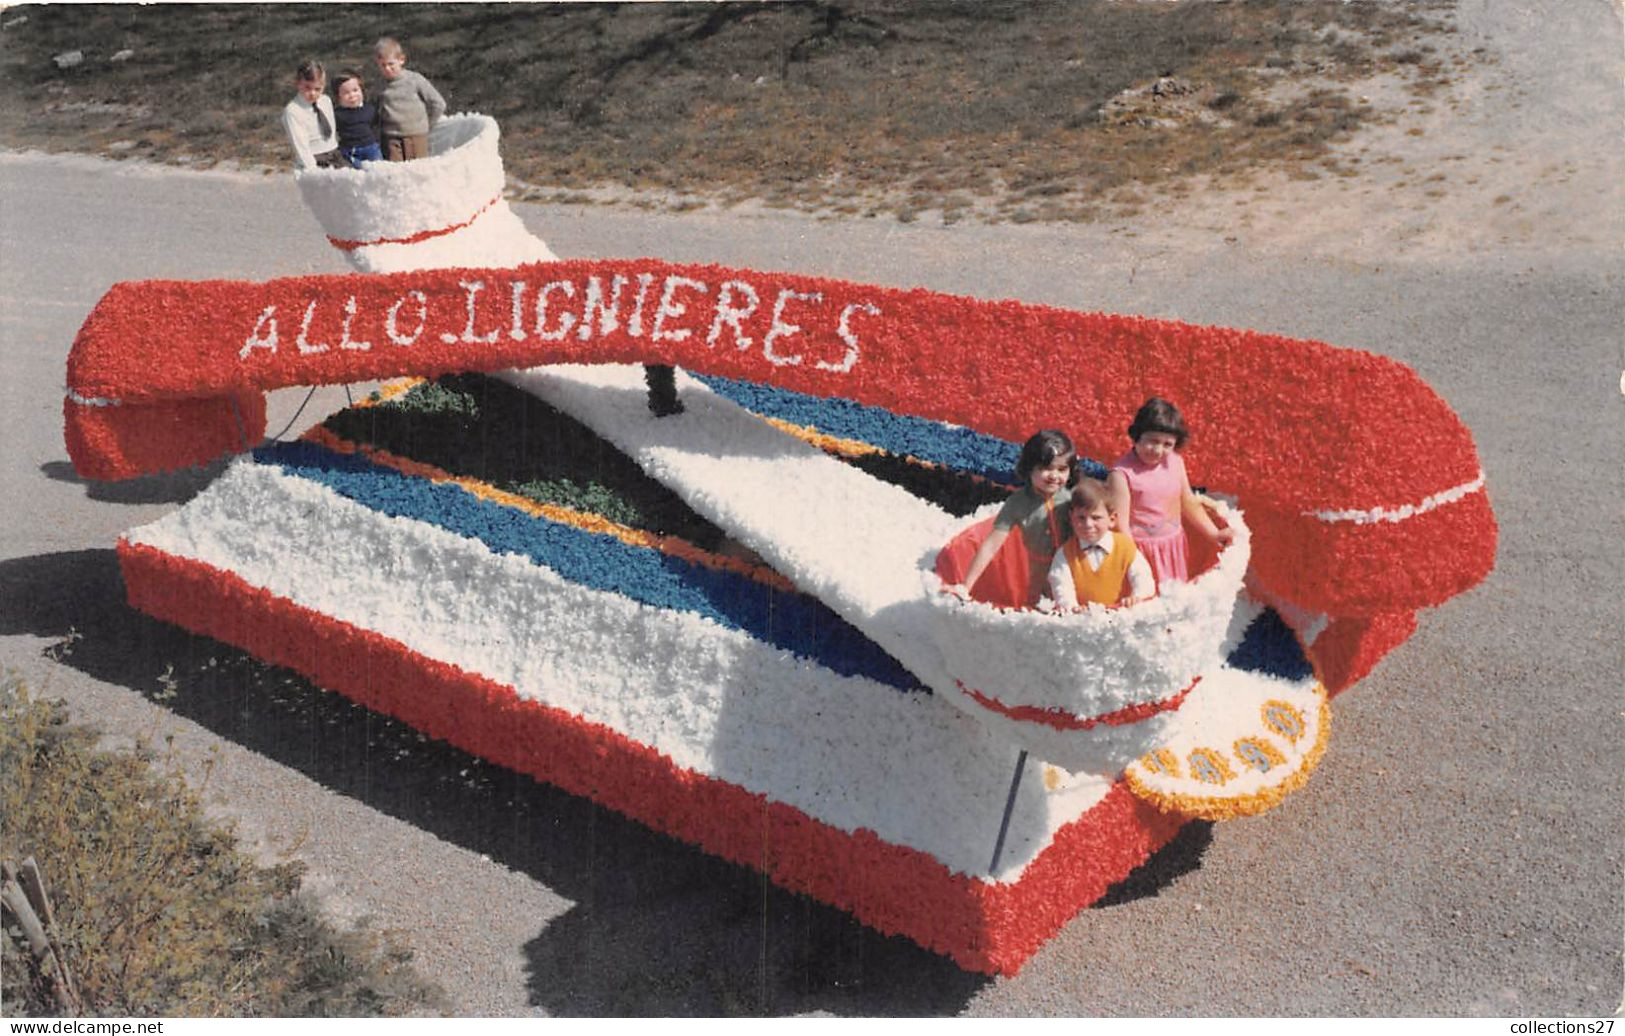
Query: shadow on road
(175,487)
(1179,857)
(658,928)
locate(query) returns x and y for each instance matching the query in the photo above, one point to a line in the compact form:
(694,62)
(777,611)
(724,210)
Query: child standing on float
(1047,469)
(1152,496)
(357,121)
(308,120)
(408,107)
(1098,564)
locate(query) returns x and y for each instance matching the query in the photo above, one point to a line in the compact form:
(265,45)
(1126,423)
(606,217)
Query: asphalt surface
(1458,852)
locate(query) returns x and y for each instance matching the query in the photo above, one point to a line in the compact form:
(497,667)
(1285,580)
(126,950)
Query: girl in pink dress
(1152,497)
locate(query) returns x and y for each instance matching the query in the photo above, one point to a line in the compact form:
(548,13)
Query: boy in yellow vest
(1097,564)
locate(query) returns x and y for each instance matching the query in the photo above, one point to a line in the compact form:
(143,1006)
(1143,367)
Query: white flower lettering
(567,320)
(307,347)
(670,307)
(845,331)
(263,336)
(394,312)
(473,288)
(345,341)
(609,316)
(516,315)
(729,314)
(634,325)
(780,329)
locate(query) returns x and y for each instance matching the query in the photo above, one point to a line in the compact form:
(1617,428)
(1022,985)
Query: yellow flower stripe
(851,447)
(388,391)
(672,546)
(827,443)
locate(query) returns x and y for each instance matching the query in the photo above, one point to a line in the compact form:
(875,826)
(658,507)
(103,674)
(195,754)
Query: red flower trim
(1060,719)
(983,926)
(107,442)
(1350,569)
(346,245)
(1291,427)
(1349,648)
(918,352)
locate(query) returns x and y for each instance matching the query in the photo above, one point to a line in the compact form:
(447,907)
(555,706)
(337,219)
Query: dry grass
(159,913)
(1016,110)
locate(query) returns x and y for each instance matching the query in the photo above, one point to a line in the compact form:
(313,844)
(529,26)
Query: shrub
(157,910)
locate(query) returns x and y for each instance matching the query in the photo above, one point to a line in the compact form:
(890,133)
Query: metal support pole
(242,430)
(1009,807)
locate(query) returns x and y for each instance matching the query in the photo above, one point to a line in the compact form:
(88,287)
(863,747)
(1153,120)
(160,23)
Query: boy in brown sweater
(408,107)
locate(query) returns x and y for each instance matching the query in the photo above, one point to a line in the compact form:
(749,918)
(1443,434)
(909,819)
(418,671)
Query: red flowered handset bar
(1318,443)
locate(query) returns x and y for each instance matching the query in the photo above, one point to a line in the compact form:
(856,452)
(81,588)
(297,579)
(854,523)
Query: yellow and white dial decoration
(1241,744)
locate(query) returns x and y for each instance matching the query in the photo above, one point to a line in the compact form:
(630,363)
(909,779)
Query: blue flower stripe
(916,437)
(1270,647)
(798,623)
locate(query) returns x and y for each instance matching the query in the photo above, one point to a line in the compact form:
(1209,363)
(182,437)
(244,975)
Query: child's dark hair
(310,71)
(1158,415)
(1089,494)
(1041,450)
(342,77)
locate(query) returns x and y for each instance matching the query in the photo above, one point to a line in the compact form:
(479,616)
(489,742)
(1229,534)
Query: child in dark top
(357,121)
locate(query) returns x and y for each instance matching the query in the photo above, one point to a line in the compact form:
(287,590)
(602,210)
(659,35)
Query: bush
(157,911)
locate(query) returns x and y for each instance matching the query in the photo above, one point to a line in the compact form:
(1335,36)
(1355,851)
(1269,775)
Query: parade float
(793,690)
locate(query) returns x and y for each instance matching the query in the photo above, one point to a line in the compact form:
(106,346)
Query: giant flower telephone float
(826,714)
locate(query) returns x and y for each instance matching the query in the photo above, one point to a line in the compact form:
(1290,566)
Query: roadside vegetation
(157,912)
(1002,110)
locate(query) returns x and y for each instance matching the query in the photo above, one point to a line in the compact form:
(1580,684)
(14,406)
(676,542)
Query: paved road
(1458,851)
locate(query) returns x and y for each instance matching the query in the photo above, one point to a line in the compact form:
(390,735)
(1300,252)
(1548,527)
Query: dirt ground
(1510,161)
(1039,111)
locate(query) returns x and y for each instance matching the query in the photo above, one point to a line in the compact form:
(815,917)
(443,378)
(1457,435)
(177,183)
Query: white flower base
(446,210)
(846,751)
